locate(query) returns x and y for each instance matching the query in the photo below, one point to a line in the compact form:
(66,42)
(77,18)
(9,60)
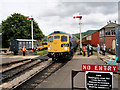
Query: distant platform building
(17,44)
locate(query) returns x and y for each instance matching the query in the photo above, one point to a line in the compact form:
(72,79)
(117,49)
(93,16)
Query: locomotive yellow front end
(58,45)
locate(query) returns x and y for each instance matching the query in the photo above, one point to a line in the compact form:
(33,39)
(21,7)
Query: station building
(107,36)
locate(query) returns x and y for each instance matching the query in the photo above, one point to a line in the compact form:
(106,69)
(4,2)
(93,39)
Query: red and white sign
(104,68)
(28,18)
(77,17)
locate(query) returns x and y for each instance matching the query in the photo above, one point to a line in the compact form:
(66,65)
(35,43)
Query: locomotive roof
(59,32)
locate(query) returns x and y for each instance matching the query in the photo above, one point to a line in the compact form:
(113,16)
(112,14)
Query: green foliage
(42,53)
(17,27)
(44,39)
(89,32)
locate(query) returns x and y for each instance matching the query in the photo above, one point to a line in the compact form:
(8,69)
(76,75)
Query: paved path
(62,78)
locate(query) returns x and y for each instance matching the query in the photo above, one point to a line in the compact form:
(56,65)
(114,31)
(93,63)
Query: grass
(94,48)
(79,53)
(42,52)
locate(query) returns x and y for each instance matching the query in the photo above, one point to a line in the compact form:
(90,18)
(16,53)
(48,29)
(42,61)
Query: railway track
(7,75)
(39,77)
(17,76)
(11,73)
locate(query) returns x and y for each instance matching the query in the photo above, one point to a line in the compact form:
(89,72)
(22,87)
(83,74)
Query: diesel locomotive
(61,45)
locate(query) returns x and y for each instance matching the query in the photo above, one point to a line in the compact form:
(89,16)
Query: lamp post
(80,32)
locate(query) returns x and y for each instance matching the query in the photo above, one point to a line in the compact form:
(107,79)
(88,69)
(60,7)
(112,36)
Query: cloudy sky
(52,15)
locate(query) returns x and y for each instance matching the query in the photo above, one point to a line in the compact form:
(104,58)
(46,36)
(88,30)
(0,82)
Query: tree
(16,26)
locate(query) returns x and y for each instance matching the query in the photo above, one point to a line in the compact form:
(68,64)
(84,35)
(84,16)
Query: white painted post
(32,31)
(80,37)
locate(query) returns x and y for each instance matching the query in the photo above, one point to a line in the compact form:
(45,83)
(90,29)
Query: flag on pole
(29,18)
(77,17)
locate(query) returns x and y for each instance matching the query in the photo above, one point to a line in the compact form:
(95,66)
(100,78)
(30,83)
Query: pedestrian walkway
(62,78)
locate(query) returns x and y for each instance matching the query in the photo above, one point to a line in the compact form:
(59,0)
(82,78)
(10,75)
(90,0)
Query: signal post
(80,17)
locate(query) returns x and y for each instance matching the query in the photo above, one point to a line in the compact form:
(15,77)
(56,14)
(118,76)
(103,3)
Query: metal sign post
(117,31)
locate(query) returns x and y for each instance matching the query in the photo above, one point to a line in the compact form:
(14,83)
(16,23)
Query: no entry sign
(104,68)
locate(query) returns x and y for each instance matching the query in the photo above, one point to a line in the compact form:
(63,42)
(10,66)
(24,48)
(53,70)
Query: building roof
(89,34)
(110,25)
(25,40)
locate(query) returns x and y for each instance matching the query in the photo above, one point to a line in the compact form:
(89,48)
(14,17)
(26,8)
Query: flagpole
(32,30)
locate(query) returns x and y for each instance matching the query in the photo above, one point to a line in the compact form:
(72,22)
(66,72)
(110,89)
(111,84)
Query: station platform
(62,77)
(4,59)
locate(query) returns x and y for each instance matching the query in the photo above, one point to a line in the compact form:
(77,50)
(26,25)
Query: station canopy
(25,40)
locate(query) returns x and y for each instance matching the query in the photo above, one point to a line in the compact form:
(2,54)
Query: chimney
(115,21)
(109,21)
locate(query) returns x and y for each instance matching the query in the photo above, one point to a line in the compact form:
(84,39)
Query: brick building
(92,39)
(107,36)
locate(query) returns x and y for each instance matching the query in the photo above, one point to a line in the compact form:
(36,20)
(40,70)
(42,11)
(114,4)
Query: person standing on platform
(84,49)
(91,50)
(98,49)
(104,49)
(23,49)
(88,50)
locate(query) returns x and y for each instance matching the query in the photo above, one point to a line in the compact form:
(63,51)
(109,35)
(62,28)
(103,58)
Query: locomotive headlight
(65,48)
(49,49)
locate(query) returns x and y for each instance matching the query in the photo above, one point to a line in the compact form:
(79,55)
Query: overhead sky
(54,15)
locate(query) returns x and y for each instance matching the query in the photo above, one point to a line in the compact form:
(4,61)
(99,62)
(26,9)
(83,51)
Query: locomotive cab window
(63,38)
(50,39)
(56,37)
